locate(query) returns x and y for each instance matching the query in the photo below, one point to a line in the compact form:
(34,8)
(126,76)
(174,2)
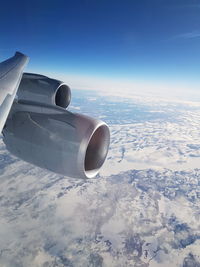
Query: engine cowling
(53,138)
(42,89)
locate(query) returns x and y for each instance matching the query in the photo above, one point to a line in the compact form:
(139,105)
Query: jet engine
(41,89)
(41,131)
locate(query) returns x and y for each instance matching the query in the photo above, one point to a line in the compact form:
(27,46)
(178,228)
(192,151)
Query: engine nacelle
(41,131)
(56,139)
(41,89)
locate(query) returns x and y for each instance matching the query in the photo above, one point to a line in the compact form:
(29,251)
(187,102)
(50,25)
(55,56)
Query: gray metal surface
(45,90)
(53,138)
(10,77)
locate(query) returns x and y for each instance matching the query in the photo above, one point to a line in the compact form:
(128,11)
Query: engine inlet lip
(105,142)
(68,90)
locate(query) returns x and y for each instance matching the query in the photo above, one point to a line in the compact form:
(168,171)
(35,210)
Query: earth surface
(142,210)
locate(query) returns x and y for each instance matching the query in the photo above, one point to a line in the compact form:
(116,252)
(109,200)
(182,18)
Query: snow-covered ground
(142,210)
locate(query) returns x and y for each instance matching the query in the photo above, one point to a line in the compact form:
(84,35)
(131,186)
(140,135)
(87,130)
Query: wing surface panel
(11,72)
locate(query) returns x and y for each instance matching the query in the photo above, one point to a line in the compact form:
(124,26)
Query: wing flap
(11,72)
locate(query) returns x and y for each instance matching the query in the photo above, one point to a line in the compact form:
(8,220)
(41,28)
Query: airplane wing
(11,72)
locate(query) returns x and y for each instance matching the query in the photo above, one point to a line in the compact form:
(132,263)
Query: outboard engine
(41,131)
(41,89)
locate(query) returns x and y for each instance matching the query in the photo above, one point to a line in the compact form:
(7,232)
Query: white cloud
(188,35)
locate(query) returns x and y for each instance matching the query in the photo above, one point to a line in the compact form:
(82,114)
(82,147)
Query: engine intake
(63,96)
(96,151)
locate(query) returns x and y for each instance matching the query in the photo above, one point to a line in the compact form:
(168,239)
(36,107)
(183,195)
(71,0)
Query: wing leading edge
(11,72)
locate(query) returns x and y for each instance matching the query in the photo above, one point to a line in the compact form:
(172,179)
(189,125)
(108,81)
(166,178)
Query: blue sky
(152,41)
